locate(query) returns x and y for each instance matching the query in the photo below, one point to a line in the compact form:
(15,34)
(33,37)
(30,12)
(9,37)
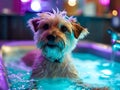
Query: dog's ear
(79,31)
(33,24)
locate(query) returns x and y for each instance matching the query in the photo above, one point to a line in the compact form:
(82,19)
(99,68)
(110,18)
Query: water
(92,69)
(115,43)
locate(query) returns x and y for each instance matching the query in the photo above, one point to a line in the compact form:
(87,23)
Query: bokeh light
(72,2)
(104,2)
(35,5)
(115,22)
(114,13)
(6,49)
(6,11)
(24,1)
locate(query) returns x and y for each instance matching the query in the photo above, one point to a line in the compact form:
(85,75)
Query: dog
(56,35)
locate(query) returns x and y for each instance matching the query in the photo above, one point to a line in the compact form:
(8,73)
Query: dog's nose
(57,61)
(51,37)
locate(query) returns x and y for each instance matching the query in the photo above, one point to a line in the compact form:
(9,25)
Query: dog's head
(56,34)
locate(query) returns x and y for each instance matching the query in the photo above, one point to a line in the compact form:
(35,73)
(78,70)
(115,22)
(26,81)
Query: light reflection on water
(92,69)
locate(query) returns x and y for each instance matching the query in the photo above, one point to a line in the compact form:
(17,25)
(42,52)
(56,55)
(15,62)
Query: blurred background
(96,15)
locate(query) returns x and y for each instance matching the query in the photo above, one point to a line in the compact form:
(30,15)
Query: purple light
(115,21)
(24,1)
(104,2)
(35,5)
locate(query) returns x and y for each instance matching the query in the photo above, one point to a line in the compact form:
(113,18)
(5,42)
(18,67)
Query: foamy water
(92,69)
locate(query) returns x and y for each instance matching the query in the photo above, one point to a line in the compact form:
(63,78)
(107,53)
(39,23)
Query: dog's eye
(45,26)
(64,28)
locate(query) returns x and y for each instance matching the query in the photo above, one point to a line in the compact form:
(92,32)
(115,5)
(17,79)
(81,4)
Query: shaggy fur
(56,35)
(44,68)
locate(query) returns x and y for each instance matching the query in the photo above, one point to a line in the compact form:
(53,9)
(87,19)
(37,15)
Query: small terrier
(55,35)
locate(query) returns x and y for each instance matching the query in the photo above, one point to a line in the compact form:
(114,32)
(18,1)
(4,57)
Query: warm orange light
(114,13)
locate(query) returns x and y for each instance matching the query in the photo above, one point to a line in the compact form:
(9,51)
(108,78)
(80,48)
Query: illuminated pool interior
(93,69)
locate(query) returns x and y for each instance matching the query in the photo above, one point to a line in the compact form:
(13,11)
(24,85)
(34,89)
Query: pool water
(92,69)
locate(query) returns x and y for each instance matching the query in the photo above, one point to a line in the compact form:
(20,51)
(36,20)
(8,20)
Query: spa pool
(92,60)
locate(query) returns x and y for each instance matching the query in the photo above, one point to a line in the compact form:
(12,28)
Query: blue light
(115,21)
(35,5)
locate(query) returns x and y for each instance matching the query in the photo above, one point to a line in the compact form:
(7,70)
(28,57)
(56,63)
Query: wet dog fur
(56,35)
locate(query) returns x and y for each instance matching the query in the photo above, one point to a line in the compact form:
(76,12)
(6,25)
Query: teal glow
(114,36)
(86,64)
(106,64)
(106,72)
(116,46)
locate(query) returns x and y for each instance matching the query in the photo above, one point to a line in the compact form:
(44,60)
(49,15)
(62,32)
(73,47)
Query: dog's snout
(51,37)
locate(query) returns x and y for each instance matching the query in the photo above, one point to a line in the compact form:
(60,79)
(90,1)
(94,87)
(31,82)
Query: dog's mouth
(51,45)
(55,45)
